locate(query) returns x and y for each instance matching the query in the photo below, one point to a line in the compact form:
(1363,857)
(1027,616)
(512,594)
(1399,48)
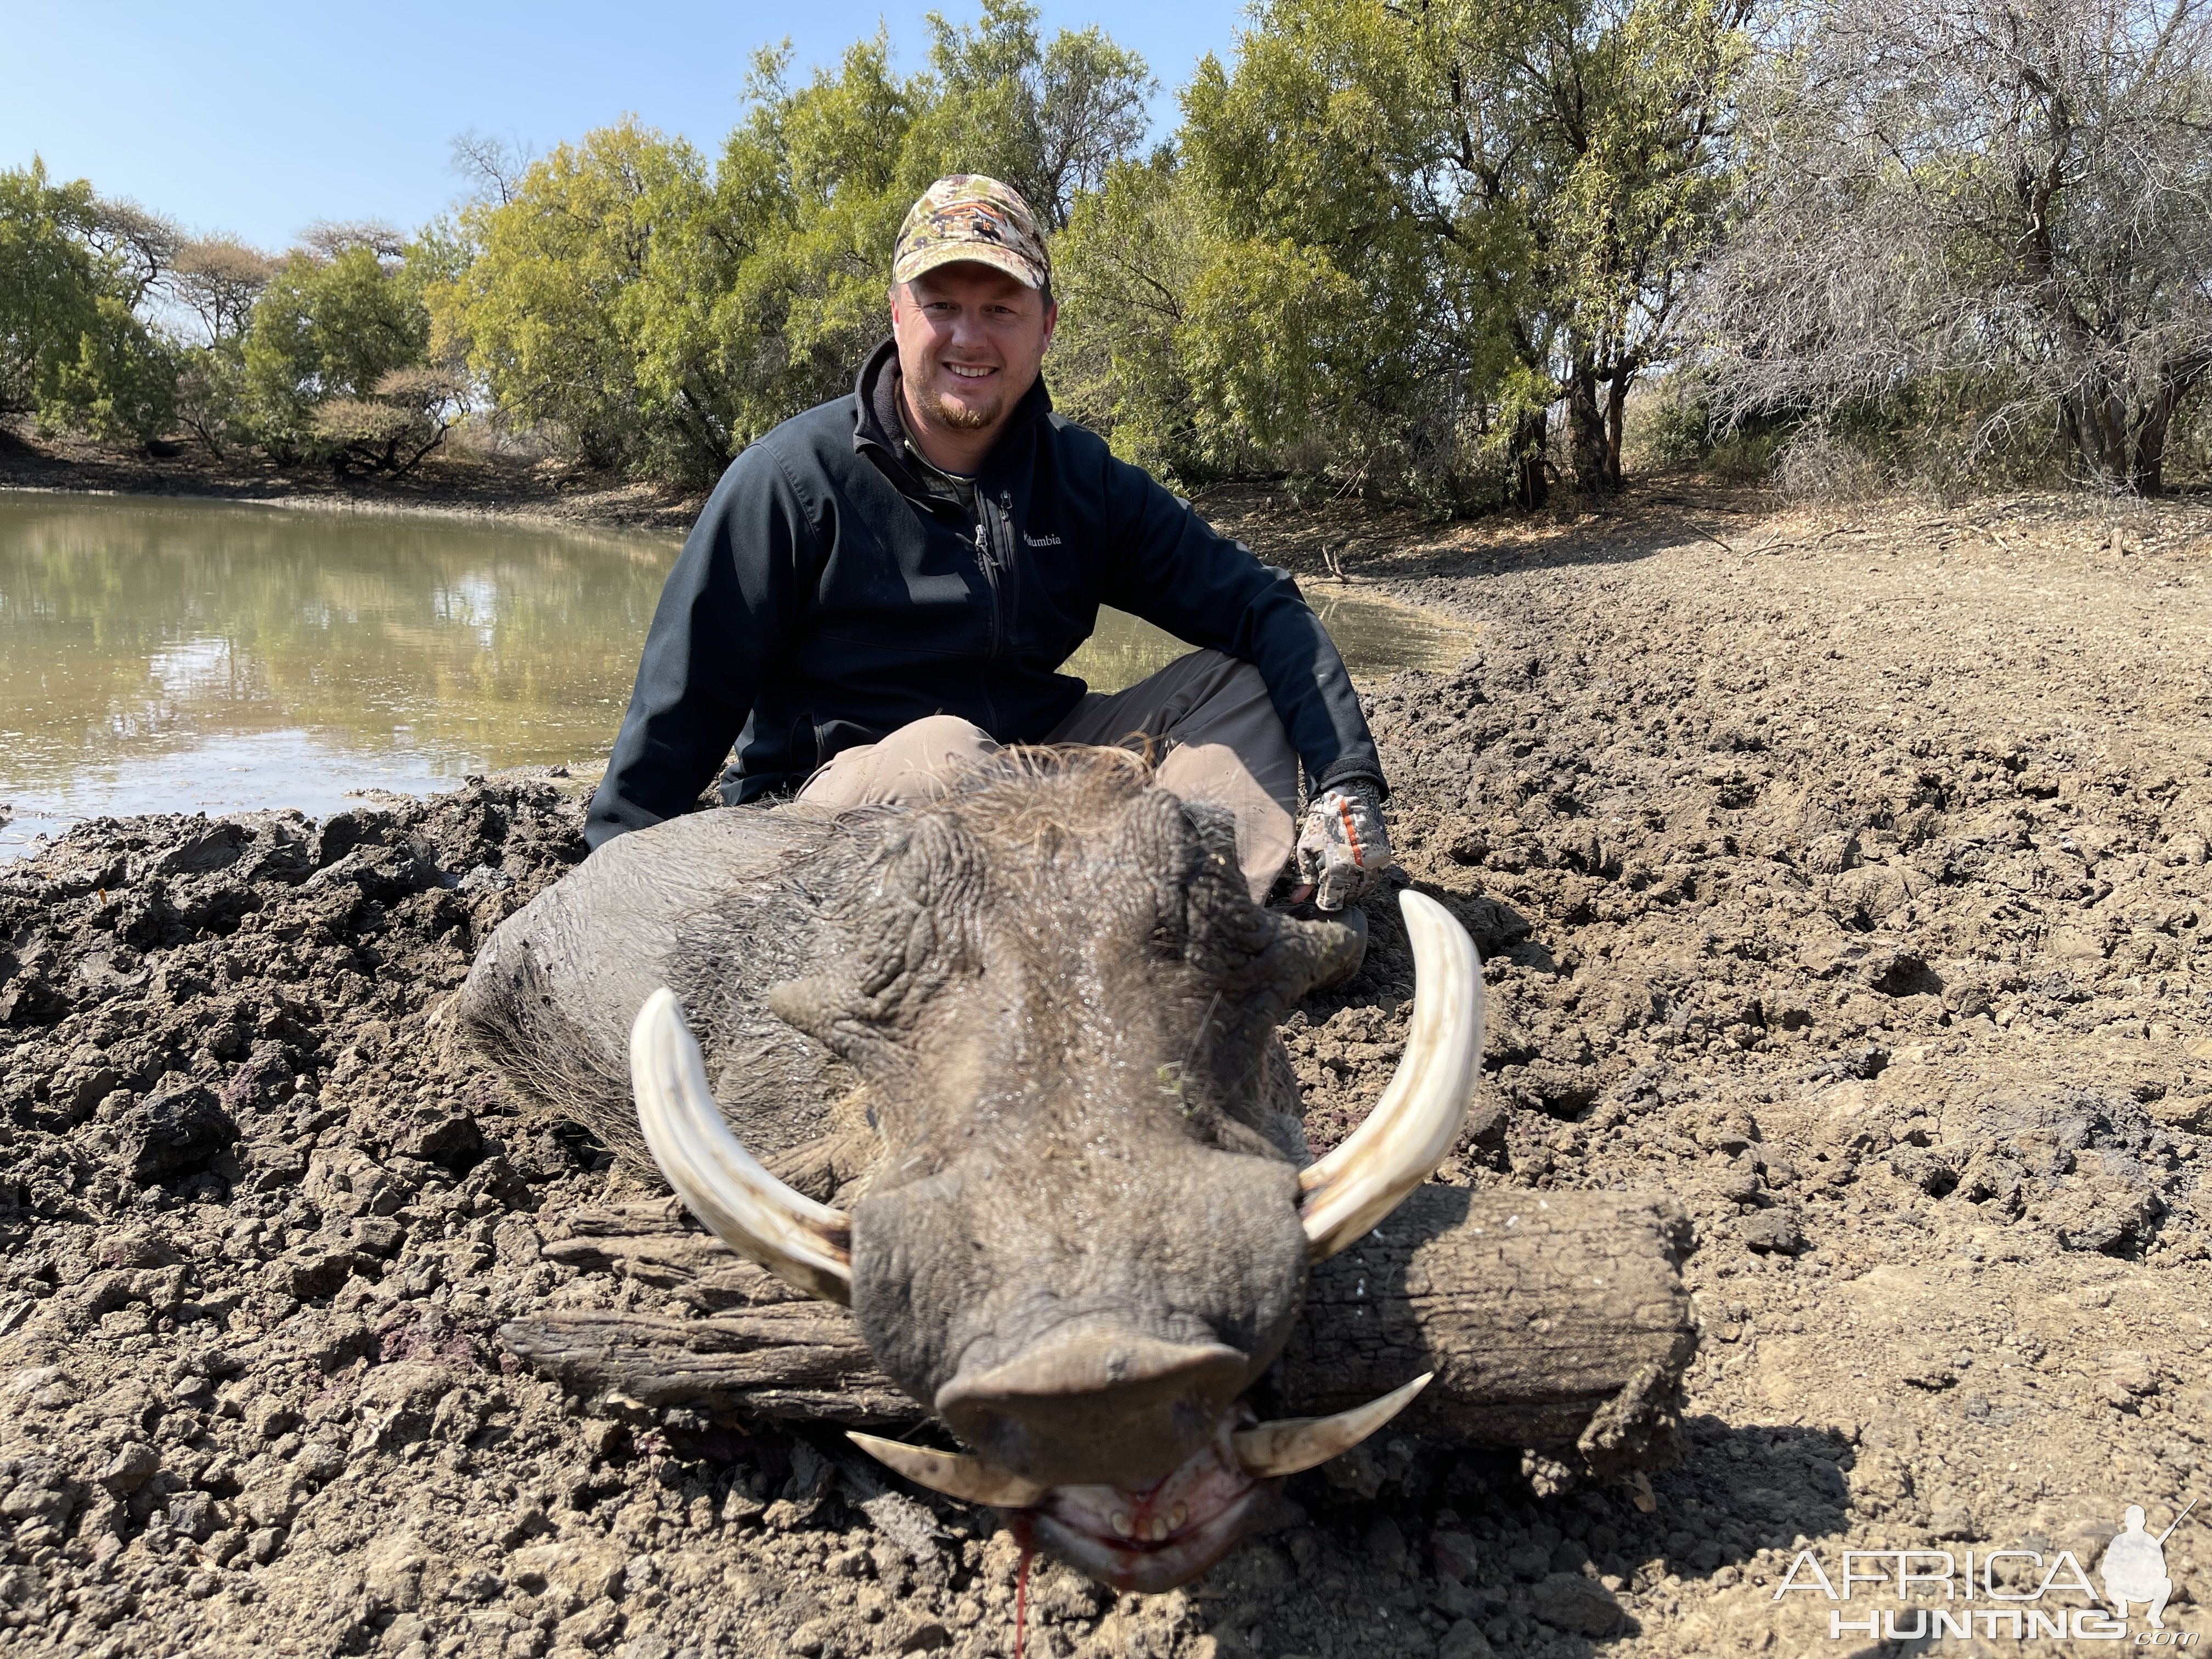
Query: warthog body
(1024,1037)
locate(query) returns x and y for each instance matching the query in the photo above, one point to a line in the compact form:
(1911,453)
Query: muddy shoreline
(448,486)
(1846,877)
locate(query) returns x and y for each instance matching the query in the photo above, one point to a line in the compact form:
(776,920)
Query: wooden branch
(1555,1323)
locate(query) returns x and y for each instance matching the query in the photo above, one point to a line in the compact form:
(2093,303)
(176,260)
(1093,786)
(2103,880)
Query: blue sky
(258,119)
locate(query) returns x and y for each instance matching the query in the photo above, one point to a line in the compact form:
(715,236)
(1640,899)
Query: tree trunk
(1616,422)
(2122,447)
(1532,482)
(1555,1323)
(1586,426)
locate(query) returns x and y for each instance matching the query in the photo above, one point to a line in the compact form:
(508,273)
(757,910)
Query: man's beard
(958,417)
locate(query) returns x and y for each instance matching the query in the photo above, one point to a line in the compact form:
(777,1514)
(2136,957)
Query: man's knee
(917,761)
(938,738)
(1236,710)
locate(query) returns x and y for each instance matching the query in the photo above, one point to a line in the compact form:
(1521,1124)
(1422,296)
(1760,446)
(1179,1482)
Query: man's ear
(1051,320)
(895,295)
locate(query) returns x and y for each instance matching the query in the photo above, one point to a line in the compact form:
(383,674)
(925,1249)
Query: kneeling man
(888,585)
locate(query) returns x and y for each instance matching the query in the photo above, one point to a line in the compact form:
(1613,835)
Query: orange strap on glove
(1343,850)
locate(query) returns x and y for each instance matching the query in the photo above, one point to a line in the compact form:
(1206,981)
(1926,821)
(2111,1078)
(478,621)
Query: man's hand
(1342,849)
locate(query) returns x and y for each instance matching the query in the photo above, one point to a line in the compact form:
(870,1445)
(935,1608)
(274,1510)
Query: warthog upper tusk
(967,1479)
(1297,1443)
(1418,1117)
(800,1242)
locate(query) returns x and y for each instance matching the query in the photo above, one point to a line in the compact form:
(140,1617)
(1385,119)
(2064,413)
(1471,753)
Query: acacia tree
(2014,196)
(1048,119)
(330,326)
(1430,224)
(216,280)
(662,313)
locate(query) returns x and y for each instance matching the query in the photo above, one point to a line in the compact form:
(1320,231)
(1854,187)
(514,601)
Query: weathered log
(1556,1323)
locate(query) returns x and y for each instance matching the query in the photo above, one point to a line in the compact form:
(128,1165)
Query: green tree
(71,347)
(1426,227)
(329,325)
(544,312)
(1126,268)
(1048,119)
(122,383)
(659,313)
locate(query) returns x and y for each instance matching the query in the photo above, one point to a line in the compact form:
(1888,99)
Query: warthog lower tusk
(1297,1443)
(1418,1117)
(800,1242)
(967,1479)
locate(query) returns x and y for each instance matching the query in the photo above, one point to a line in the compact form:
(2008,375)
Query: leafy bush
(330,326)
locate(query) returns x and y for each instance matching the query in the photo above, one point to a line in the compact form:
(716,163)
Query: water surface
(164,656)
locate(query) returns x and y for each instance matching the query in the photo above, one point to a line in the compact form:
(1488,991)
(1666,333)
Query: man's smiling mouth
(970,371)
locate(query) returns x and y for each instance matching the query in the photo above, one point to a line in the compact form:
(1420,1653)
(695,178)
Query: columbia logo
(1040,541)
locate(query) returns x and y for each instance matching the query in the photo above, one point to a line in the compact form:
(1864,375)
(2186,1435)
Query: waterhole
(172,656)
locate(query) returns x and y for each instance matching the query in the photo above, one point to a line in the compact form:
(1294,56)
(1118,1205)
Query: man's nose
(968,330)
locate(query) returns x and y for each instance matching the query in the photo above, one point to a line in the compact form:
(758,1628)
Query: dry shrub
(1822,465)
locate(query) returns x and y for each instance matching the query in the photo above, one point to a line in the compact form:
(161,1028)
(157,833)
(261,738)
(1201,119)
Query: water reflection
(172,656)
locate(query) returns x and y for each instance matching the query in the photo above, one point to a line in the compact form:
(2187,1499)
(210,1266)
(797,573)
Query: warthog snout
(1095,1405)
(1090,1322)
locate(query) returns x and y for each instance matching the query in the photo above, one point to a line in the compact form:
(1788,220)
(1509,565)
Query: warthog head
(1089,1229)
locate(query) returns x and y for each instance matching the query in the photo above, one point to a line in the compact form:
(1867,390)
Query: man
(886,586)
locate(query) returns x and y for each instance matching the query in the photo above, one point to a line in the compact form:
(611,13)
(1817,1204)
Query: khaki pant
(1223,744)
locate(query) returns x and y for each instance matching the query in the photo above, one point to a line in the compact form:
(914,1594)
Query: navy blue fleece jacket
(827,597)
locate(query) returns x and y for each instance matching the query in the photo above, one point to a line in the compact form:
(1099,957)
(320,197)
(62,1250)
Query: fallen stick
(1555,1323)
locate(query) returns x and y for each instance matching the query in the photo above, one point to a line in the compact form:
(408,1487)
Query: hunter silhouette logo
(2134,1569)
(1967,1594)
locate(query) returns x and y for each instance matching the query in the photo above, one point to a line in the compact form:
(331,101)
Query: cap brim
(974,253)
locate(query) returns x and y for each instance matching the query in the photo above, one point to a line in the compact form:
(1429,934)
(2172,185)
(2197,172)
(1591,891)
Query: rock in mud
(179,1130)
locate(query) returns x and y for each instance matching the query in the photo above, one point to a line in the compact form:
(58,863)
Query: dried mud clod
(1859,908)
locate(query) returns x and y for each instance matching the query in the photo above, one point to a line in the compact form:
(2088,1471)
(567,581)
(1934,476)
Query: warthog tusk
(1418,1117)
(967,1479)
(1297,1443)
(800,1242)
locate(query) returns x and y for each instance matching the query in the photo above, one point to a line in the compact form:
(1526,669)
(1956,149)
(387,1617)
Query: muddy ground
(1845,876)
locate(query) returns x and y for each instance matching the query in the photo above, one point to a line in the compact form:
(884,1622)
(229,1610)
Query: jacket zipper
(989,556)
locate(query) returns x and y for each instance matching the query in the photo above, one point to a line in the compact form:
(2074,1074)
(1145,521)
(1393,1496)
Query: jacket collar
(877,433)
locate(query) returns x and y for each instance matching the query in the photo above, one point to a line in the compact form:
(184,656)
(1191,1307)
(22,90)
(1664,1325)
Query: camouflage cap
(970,217)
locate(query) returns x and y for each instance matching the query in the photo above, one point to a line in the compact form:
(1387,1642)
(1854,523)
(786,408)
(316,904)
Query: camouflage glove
(1342,847)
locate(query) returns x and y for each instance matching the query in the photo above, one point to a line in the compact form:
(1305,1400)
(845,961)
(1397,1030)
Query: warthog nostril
(1096,1404)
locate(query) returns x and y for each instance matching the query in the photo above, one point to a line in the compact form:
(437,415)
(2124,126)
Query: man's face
(971,341)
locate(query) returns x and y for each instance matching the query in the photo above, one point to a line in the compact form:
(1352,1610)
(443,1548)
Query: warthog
(1086,1227)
